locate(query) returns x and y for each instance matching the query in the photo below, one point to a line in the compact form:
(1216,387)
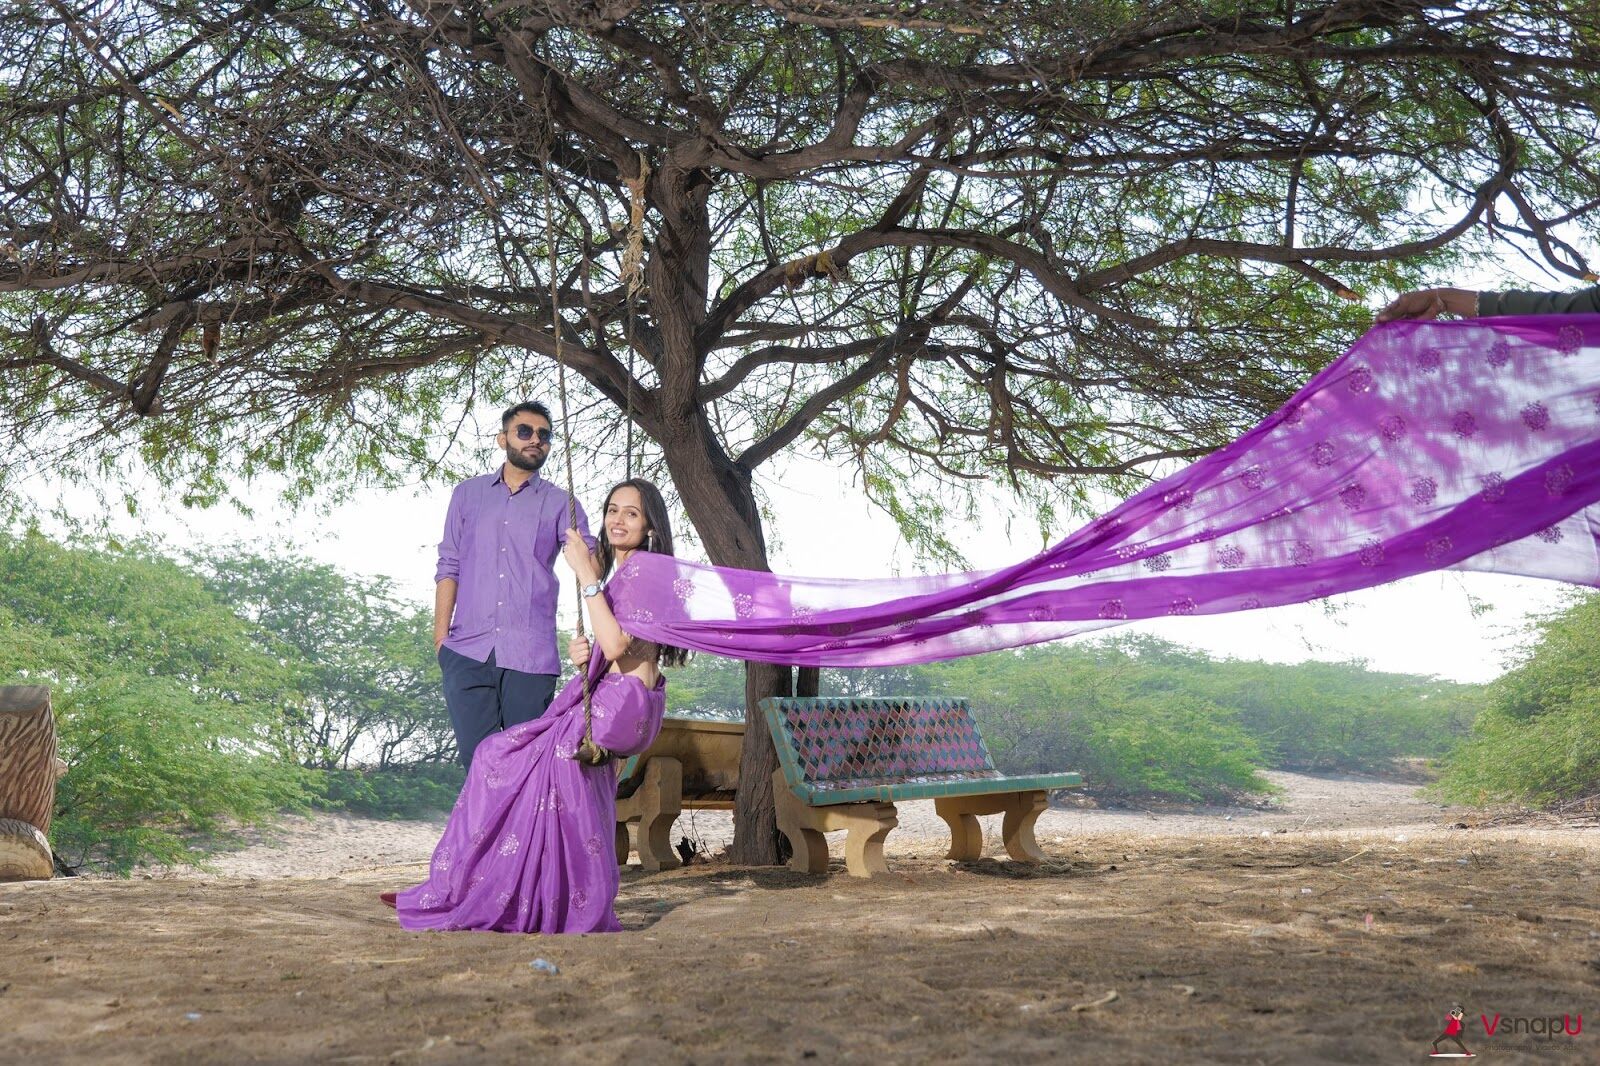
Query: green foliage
(1077,708)
(1173,746)
(1317,715)
(360,661)
(1080,238)
(709,686)
(1538,738)
(189,703)
(1559,665)
(166,710)
(419,791)
(150,768)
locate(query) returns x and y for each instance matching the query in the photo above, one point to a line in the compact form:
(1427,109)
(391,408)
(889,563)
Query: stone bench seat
(931,786)
(844,763)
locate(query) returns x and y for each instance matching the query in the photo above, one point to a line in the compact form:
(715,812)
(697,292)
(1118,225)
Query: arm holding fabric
(1431,303)
(1465,303)
(608,633)
(1516,302)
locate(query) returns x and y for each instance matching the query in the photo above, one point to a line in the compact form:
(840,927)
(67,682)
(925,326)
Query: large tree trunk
(717,492)
(28,771)
(756,840)
(719,500)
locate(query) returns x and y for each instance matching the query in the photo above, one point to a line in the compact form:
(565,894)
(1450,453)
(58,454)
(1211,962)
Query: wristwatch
(591,589)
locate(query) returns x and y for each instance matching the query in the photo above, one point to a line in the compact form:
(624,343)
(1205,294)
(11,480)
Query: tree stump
(28,772)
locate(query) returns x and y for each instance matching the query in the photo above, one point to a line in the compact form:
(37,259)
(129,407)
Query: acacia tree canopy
(946,241)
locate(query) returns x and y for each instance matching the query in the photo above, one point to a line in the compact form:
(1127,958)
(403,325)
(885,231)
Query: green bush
(1174,747)
(1539,761)
(1049,709)
(151,769)
(1538,739)
(411,792)
(167,714)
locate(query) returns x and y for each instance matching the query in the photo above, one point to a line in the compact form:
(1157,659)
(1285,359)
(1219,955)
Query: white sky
(1423,625)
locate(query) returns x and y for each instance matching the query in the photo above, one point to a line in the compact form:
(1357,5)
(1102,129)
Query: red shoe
(389,899)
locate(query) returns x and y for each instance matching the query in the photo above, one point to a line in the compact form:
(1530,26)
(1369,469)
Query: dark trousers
(484,698)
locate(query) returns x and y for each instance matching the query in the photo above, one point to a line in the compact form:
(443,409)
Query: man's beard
(522,462)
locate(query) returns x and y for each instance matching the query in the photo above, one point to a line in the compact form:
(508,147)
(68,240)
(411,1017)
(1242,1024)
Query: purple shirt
(500,546)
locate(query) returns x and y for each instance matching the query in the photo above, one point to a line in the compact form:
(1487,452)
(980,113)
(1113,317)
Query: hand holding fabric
(1427,304)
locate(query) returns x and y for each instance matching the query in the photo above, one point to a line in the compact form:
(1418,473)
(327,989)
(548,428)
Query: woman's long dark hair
(658,539)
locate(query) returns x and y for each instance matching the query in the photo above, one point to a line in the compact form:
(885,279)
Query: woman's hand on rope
(577,555)
(579,649)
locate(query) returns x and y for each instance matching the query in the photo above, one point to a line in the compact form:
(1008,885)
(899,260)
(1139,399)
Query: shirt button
(502,603)
(502,577)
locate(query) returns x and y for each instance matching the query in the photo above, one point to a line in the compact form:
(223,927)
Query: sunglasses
(526,432)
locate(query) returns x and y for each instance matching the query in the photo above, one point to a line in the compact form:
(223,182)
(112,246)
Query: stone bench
(693,763)
(843,763)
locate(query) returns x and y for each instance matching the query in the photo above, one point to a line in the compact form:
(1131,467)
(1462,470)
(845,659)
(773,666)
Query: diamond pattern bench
(843,763)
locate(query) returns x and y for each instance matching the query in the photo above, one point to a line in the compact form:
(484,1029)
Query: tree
(362,662)
(168,714)
(1049,242)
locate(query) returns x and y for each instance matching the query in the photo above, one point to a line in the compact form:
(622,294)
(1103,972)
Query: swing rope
(589,752)
(633,278)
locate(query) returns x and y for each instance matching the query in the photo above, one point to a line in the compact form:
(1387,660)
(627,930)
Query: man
(1465,303)
(494,607)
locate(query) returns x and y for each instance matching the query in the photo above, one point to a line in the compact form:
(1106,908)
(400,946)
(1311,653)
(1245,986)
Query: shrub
(1538,739)
(410,792)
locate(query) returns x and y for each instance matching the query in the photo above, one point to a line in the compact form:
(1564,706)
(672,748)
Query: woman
(531,845)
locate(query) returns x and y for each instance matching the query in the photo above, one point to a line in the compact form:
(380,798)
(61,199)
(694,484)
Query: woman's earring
(650,540)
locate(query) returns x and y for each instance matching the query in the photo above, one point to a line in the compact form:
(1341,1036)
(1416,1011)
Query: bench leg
(1017,828)
(863,847)
(867,825)
(624,845)
(656,804)
(662,802)
(966,835)
(809,847)
(1021,811)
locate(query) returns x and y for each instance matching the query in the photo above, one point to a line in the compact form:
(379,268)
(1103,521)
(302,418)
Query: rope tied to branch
(588,753)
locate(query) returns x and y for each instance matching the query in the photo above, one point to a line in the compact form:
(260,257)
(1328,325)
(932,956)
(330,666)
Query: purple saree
(531,846)
(1429,445)
(1467,445)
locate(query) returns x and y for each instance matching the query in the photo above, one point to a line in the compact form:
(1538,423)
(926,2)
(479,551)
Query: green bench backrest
(832,741)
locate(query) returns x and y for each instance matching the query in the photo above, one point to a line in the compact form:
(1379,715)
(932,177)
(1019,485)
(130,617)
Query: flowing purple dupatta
(1470,445)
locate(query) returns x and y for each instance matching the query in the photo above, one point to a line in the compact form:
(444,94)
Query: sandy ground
(326,844)
(1341,935)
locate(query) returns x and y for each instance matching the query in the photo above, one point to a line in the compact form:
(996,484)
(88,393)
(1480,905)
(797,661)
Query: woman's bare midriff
(639,661)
